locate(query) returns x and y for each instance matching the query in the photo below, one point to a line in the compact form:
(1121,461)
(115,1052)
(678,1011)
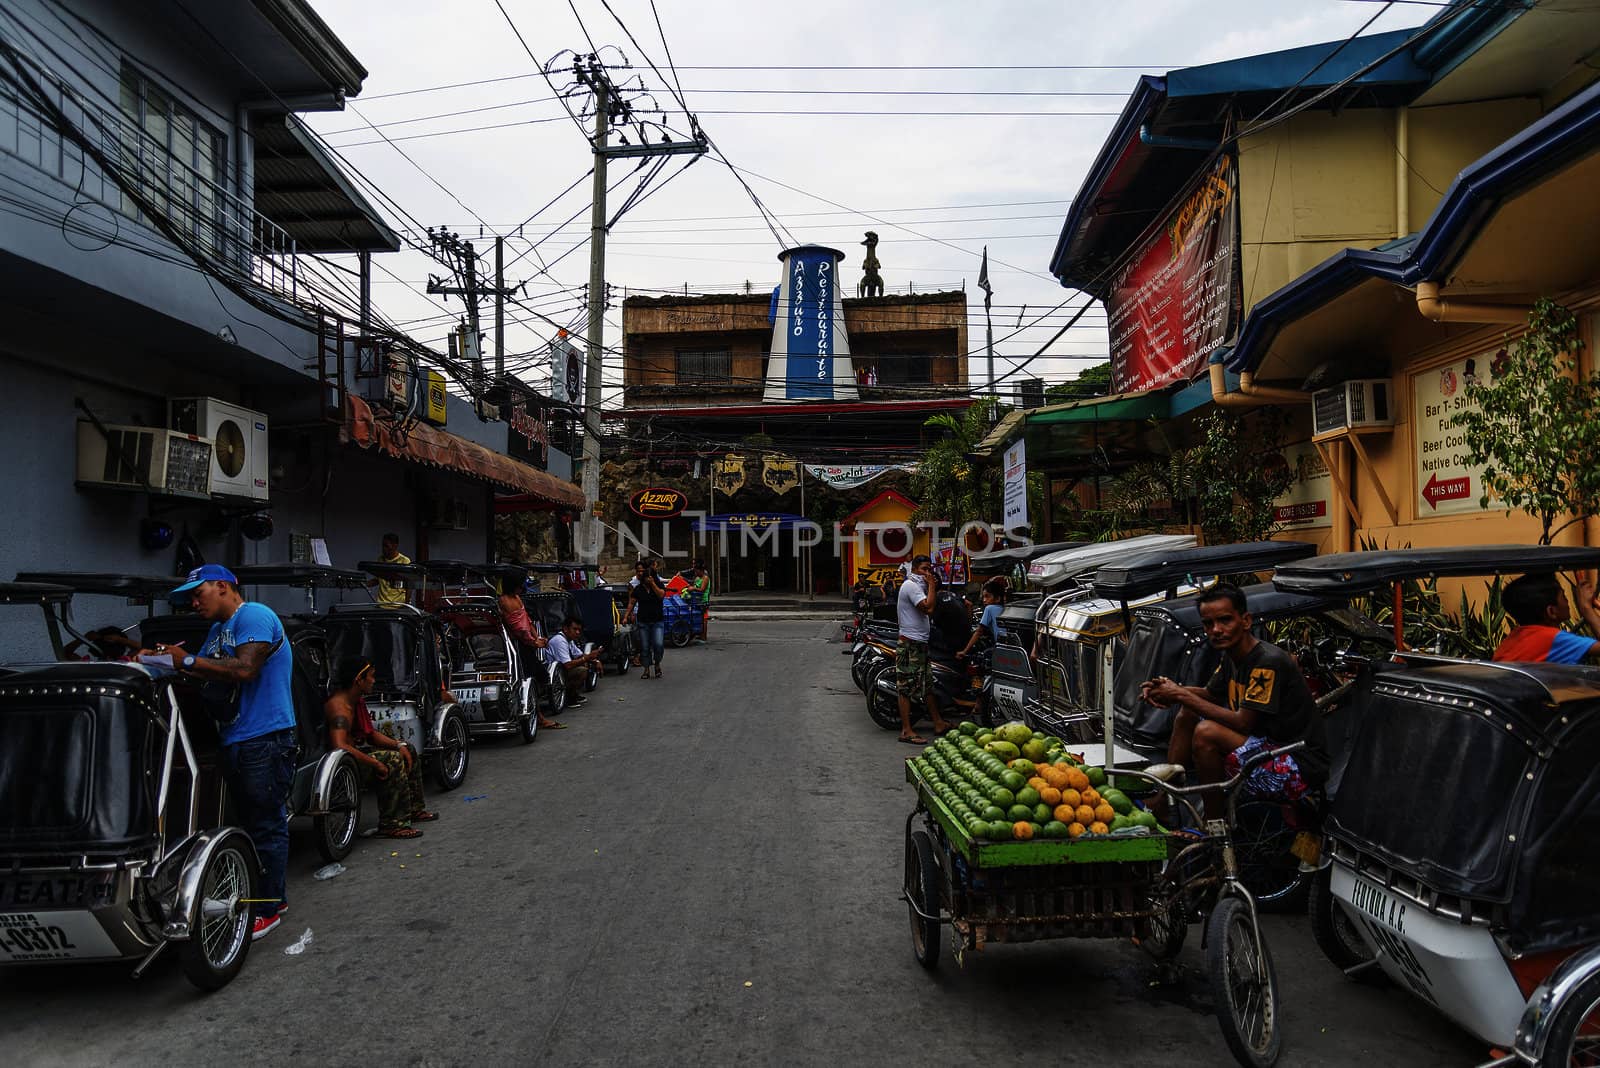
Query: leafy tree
(948,485)
(1092,381)
(1536,430)
(1243,475)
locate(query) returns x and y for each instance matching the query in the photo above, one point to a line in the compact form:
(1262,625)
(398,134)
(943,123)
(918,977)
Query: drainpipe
(1155,140)
(1249,394)
(1402,178)
(1449,310)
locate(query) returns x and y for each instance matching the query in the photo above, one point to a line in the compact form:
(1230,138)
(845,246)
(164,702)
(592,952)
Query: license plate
(41,891)
(37,936)
(1307,846)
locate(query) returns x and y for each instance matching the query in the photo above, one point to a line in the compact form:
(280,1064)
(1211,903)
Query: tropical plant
(1243,475)
(948,485)
(1536,425)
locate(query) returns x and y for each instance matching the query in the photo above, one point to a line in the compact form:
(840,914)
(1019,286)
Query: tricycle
(1458,855)
(491,678)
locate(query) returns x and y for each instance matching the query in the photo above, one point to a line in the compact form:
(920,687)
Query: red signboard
(1173,302)
(658,503)
(1446,489)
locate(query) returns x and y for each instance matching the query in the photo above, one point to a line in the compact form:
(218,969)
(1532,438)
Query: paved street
(702,870)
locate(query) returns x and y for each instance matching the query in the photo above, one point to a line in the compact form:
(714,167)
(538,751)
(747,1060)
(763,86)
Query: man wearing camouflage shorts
(913,675)
(397,771)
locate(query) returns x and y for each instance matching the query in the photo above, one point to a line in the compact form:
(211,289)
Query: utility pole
(463,261)
(608,103)
(499,308)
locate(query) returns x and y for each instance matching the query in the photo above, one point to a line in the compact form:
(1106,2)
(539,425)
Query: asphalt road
(702,870)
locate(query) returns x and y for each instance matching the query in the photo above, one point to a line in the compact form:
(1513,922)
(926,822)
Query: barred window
(704,365)
(179,158)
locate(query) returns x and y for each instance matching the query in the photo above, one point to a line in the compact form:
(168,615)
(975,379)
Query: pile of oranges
(1072,800)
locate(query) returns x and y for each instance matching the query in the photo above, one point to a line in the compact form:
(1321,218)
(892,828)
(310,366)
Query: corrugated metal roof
(300,188)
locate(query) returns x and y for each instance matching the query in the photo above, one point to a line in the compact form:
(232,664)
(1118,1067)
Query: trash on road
(298,946)
(329,871)
(475,797)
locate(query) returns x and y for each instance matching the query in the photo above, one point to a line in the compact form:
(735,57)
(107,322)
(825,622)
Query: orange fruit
(1022,830)
(1056,777)
(1071,797)
(1085,815)
(1077,779)
(1050,796)
(1099,828)
(1104,813)
(1075,830)
(1091,796)
(1038,784)
(1066,813)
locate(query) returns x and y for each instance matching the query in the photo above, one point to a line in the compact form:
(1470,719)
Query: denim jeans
(652,642)
(259,772)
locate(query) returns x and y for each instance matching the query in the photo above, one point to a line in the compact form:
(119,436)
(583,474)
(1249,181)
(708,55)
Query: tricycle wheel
(1575,1031)
(450,765)
(1336,934)
(1168,924)
(219,939)
(1268,869)
(680,633)
(591,680)
(922,893)
(1244,984)
(883,709)
(336,830)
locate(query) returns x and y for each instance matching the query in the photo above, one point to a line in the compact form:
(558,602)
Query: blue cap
(207,573)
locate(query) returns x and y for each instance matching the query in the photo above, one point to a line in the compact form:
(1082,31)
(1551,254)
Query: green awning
(1129,407)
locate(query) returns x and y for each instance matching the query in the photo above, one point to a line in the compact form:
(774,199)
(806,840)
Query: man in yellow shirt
(392,592)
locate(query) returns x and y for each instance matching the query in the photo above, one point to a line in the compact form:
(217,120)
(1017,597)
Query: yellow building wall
(1440,141)
(857,550)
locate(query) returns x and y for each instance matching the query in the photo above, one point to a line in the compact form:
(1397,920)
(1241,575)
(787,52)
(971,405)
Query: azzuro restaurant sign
(658,503)
(810,357)
(1173,302)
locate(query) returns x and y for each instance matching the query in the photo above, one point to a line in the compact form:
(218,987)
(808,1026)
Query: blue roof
(1568,133)
(1277,71)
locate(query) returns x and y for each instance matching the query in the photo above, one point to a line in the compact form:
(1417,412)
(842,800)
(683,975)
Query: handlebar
(1228,786)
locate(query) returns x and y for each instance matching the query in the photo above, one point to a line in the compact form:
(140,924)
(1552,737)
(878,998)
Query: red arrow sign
(1450,489)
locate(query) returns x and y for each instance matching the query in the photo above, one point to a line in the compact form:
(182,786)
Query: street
(704,869)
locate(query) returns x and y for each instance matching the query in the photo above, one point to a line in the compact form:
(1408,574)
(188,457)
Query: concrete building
(172,230)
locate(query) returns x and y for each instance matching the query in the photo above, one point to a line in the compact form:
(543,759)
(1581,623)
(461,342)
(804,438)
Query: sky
(996,165)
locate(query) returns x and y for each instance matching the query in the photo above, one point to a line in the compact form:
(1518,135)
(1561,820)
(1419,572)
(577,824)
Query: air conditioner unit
(447,513)
(143,457)
(239,443)
(1362,402)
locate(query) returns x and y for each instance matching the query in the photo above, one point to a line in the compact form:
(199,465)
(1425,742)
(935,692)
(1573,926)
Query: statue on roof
(871,281)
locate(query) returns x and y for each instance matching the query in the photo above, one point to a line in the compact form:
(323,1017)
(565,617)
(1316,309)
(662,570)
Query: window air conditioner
(239,443)
(1362,402)
(140,457)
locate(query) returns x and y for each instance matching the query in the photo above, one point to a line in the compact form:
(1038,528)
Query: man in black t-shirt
(1258,699)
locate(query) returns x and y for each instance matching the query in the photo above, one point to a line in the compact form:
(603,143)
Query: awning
(300,188)
(433,447)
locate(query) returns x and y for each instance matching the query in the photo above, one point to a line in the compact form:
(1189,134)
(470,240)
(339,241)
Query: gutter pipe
(1249,395)
(1447,310)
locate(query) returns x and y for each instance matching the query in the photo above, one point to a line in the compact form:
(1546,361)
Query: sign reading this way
(1446,484)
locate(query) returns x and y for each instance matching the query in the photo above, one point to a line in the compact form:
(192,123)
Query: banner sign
(780,476)
(658,503)
(566,371)
(1016,491)
(1172,304)
(1445,483)
(849,476)
(810,352)
(748,520)
(1305,502)
(529,436)
(727,474)
(951,563)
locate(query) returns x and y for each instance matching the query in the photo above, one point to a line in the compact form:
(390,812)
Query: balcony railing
(209,219)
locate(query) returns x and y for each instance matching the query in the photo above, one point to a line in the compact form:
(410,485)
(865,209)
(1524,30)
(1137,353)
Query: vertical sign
(1016,494)
(566,372)
(1445,483)
(810,357)
(1305,502)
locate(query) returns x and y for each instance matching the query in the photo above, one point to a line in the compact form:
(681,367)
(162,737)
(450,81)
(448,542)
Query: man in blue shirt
(246,647)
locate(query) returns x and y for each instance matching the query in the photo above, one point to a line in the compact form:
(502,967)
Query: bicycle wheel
(922,894)
(1244,984)
(1267,868)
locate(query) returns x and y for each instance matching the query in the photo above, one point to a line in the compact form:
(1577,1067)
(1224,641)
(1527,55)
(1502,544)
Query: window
(704,365)
(900,368)
(177,157)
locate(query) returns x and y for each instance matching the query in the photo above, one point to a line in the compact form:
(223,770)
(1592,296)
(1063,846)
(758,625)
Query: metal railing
(210,220)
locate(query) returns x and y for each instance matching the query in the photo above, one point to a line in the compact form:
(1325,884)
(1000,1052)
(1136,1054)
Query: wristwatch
(188,661)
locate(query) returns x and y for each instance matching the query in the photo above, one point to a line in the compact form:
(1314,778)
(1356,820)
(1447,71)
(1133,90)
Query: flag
(983,279)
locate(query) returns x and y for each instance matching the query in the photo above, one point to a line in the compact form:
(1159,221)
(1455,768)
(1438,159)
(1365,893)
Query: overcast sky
(935,187)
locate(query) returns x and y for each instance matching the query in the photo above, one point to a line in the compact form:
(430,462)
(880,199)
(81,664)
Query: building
(1376,230)
(699,377)
(174,231)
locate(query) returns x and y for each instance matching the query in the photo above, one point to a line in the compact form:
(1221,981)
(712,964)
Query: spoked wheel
(1575,1031)
(556,697)
(336,831)
(450,766)
(922,893)
(591,680)
(860,667)
(1168,924)
(1245,985)
(883,709)
(220,938)
(680,633)
(528,728)
(1267,868)
(1336,933)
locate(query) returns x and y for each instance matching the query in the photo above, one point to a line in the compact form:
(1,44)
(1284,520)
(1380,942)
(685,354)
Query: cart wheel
(883,709)
(1244,984)
(220,938)
(1575,1031)
(336,831)
(1336,934)
(922,888)
(556,698)
(450,766)
(1168,924)
(680,634)
(591,680)
(1267,868)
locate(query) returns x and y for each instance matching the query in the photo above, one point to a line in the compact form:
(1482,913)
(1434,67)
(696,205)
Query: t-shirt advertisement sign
(529,436)
(1305,503)
(1015,515)
(1445,483)
(1172,303)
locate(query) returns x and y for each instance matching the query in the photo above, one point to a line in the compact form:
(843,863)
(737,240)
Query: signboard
(727,474)
(1172,303)
(780,476)
(658,503)
(748,520)
(529,436)
(1305,503)
(810,352)
(434,407)
(951,563)
(566,371)
(1445,484)
(1016,494)
(849,476)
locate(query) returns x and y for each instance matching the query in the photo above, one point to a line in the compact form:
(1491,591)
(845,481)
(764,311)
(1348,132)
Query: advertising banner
(1445,483)
(780,476)
(727,474)
(1016,492)
(1305,503)
(810,353)
(849,476)
(566,371)
(1172,303)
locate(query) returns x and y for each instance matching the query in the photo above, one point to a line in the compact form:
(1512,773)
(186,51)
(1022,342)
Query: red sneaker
(263,926)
